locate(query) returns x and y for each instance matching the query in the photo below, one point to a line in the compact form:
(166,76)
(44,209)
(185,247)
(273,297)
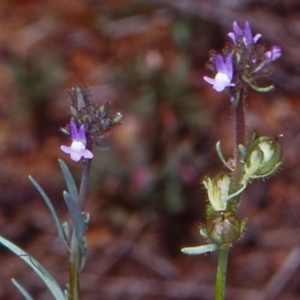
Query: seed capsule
(224,228)
(264,158)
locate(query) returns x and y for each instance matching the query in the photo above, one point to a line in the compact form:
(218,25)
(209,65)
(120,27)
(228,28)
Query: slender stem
(85,178)
(74,268)
(239,138)
(76,255)
(221,272)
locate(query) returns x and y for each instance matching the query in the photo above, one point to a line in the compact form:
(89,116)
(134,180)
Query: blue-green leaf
(66,229)
(221,156)
(72,188)
(83,253)
(37,267)
(199,249)
(76,216)
(53,212)
(21,290)
(243,151)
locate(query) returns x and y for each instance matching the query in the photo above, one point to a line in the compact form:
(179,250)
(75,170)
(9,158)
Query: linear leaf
(72,188)
(76,216)
(37,267)
(21,289)
(52,210)
(199,249)
(221,156)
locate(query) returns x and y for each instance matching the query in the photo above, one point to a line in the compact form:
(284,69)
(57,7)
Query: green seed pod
(224,228)
(217,190)
(264,159)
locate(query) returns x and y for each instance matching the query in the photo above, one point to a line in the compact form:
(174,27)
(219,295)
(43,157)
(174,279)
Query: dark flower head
(98,121)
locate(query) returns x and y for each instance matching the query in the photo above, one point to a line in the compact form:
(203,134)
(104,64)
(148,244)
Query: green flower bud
(264,159)
(224,228)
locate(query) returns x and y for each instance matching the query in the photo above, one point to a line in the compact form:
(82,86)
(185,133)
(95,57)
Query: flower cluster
(243,61)
(245,35)
(94,122)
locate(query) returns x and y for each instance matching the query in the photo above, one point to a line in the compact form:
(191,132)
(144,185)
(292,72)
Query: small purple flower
(245,33)
(269,56)
(224,74)
(78,146)
(273,54)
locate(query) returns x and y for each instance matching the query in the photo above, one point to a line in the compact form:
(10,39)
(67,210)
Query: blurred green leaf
(21,289)
(182,34)
(200,249)
(53,212)
(72,188)
(37,267)
(76,216)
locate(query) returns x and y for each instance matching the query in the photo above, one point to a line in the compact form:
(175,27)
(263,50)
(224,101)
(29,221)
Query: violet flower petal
(273,54)
(237,30)
(229,67)
(81,135)
(73,131)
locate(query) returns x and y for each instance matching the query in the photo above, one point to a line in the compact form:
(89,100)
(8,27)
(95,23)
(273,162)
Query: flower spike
(78,146)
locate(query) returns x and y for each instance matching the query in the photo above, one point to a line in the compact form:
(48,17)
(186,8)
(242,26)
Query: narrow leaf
(76,216)
(66,229)
(52,210)
(72,188)
(221,156)
(229,197)
(21,290)
(83,253)
(200,249)
(37,267)
(243,151)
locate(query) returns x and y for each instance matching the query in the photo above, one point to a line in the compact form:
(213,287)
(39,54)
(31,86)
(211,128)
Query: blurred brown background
(146,201)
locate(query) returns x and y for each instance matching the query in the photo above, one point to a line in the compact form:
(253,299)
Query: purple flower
(224,74)
(78,146)
(273,54)
(269,56)
(245,33)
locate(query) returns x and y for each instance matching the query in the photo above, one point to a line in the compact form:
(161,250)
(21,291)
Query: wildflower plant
(88,127)
(238,67)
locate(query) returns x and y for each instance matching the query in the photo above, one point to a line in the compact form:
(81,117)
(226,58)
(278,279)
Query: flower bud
(224,228)
(264,159)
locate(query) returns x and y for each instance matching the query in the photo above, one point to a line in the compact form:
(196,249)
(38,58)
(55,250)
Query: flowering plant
(94,122)
(237,68)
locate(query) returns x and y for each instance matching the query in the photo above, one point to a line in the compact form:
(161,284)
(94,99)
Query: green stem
(87,163)
(74,268)
(221,272)
(239,138)
(237,173)
(76,255)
